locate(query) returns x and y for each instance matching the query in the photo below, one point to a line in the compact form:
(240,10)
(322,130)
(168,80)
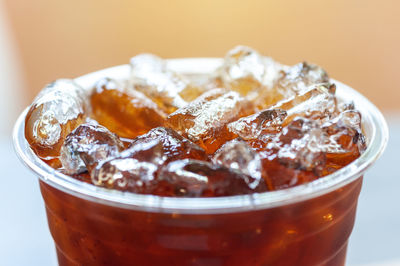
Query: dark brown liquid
(312,232)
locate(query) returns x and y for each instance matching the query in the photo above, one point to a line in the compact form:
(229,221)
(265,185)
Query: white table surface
(25,239)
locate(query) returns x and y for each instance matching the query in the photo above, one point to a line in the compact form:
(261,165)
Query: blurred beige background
(356,41)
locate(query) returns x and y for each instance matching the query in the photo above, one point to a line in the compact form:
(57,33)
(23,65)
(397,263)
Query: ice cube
(346,139)
(318,103)
(302,145)
(124,111)
(299,145)
(315,150)
(251,127)
(204,121)
(144,156)
(174,145)
(192,178)
(243,70)
(238,155)
(299,77)
(166,88)
(290,82)
(273,72)
(346,106)
(145,63)
(280,176)
(132,170)
(296,155)
(58,109)
(86,146)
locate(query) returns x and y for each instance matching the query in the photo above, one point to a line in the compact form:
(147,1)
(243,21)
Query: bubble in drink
(123,110)
(58,109)
(86,146)
(192,178)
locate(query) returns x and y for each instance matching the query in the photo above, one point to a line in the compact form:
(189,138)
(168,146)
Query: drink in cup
(235,161)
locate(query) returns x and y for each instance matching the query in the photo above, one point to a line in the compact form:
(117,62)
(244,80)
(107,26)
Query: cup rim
(372,117)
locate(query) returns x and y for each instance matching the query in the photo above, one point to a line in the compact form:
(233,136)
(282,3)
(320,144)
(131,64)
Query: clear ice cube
(204,120)
(133,170)
(266,122)
(192,178)
(238,155)
(169,90)
(58,109)
(86,146)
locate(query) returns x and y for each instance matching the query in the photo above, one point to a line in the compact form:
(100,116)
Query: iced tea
(252,130)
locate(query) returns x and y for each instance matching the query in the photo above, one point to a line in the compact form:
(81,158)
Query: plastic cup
(305,225)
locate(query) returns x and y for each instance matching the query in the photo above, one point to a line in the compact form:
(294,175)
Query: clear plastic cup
(309,224)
